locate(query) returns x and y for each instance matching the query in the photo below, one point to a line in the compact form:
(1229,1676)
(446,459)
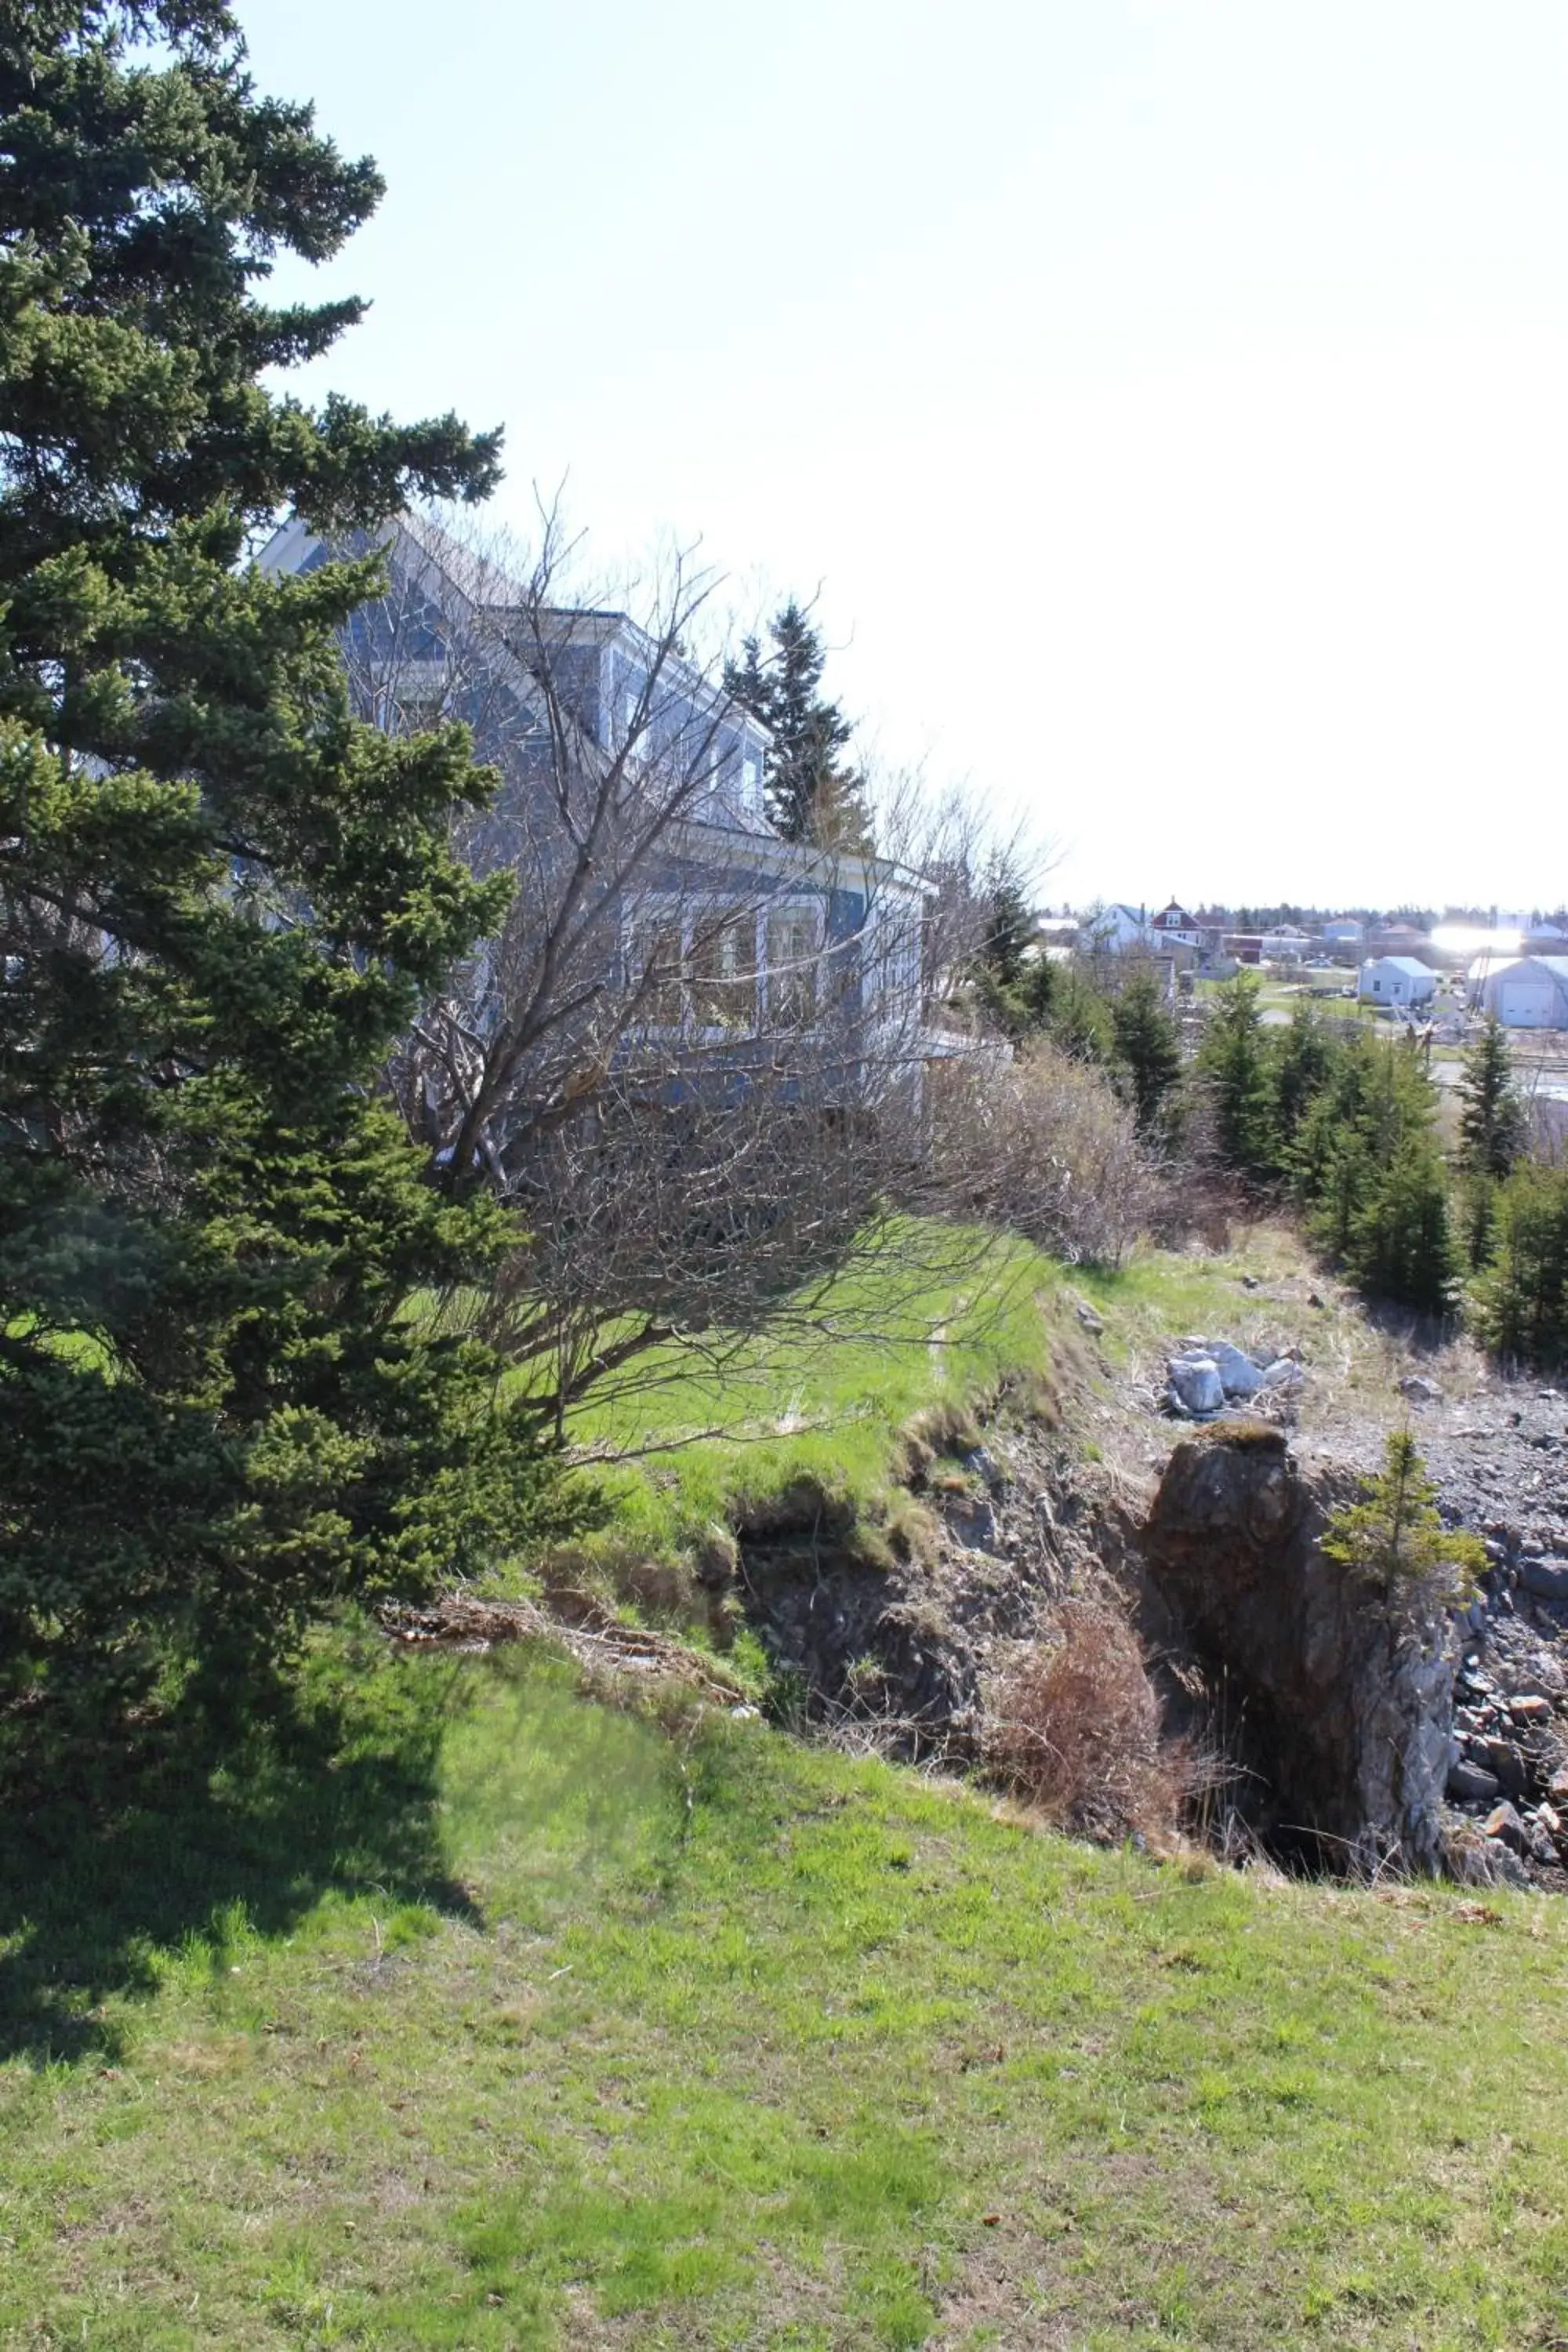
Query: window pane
(791,966)
(722,973)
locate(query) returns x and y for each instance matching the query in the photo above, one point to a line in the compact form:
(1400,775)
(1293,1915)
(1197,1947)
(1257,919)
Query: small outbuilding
(1397,980)
(1530,992)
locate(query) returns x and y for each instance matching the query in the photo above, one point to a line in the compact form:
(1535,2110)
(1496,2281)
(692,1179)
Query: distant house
(1057,936)
(1288,944)
(1343,932)
(1244,947)
(1115,930)
(1173,927)
(1530,992)
(1398,939)
(1397,980)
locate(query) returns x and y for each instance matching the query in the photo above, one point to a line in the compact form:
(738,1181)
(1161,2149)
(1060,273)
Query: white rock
(1196,1384)
(1240,1376)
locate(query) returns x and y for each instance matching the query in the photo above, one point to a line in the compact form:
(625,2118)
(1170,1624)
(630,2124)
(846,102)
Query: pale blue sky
(1171,398)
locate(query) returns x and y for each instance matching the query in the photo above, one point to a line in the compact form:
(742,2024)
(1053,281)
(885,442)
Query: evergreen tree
(1476,1209)
(1076,1014)
(220,898)
(1014,982)
(812,793)
(1148,1051)
(1491,1116)
(1399,1245)
(1235,1059)
(1395,1534)
(1521,1301)
(1327,1157)
(1009,926)
(1309,1054)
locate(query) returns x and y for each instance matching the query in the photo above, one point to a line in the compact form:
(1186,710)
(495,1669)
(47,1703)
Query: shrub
(1074,1730)
(1044,1144)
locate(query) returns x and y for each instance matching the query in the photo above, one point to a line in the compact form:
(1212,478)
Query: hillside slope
(529,2023)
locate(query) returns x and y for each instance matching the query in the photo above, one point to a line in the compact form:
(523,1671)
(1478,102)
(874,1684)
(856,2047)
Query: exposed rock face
(1337,1697)
(862,1638)
(904,1645)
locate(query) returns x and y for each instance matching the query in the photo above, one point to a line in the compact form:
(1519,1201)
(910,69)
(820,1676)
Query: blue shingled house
(661,923)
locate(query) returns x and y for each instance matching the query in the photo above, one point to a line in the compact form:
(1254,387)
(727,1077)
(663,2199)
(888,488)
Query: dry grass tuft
(944,1428)
(1074,1730)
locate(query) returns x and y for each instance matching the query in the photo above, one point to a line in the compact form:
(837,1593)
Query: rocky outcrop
(1334,1698)
(895,1630)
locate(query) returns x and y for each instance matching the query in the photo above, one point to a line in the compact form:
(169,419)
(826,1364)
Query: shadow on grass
(109,1855)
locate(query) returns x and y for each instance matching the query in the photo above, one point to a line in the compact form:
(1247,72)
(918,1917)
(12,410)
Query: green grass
(466,2013)
(824,1403)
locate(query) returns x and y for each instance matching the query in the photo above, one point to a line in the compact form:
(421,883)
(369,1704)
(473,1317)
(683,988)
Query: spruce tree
(1012,979)
(1309,1054)
(1491,1116)
(1395,1534)
(1521,1300)
(812,793)
(1010,930)
(1233,1059)
(220,898)
(1399,1245)
(1148,1052)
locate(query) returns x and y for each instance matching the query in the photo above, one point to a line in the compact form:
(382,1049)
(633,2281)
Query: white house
(1116,929)
(1397,980)
(1343,932)
(1530,992)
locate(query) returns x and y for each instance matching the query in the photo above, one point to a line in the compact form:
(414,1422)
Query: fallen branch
(575,1623)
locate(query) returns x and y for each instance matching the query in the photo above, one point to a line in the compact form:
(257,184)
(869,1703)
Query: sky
(1165,402)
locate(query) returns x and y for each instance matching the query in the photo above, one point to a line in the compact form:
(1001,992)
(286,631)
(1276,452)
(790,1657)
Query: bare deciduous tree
(707,1066)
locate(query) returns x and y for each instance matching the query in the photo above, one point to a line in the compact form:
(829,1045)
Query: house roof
(479,582)
(1555,966)
(1411,966)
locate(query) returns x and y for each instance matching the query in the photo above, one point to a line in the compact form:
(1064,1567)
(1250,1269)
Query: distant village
(1507,961)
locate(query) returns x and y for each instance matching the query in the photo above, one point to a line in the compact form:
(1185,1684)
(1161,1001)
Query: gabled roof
(1555,966)
(477,582)
(1412,966)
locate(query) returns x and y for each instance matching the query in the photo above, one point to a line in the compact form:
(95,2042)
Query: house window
(748,784)
(654,970)
(793,958)
(722,973)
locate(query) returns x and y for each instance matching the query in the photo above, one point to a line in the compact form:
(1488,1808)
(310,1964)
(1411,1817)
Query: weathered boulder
(1238,1375)
(1546,1579)
(1338,1697)
(1472,1784)
(1196,1384)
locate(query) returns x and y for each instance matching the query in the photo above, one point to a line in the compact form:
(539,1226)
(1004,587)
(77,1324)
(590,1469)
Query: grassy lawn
(825,1398)
(471,2014)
